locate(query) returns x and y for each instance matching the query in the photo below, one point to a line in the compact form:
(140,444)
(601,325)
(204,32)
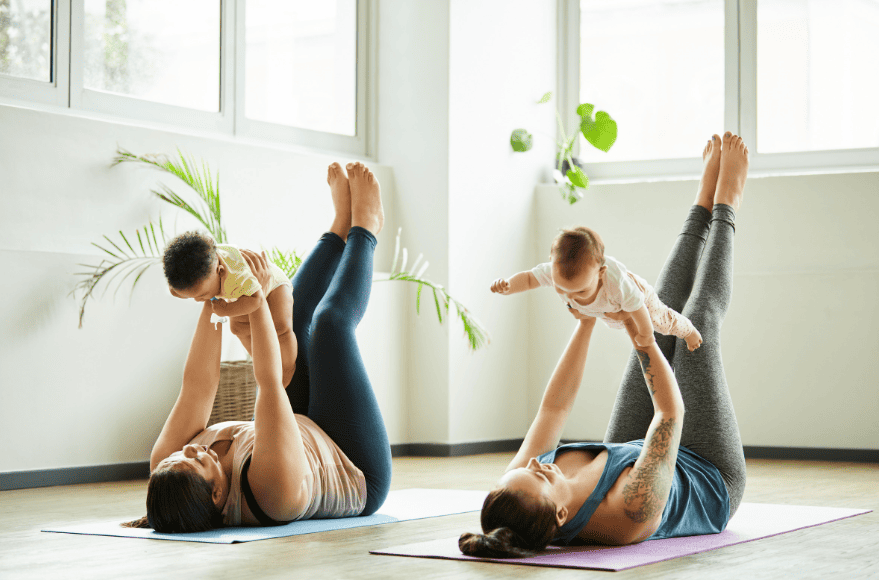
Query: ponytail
(498,543)
(515,526)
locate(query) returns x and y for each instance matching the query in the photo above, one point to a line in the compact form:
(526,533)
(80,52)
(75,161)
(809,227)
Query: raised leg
(312,279)
(342,401)
(710,427)
(633,408)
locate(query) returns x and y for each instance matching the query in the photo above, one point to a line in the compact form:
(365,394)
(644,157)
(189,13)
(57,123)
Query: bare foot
(733,172)
(694,340)
(366,198)
(711,157)
(341,193)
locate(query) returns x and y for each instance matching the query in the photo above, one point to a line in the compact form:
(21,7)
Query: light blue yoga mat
(401,505)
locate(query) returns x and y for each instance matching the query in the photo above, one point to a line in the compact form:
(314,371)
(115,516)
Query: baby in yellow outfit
(198,268)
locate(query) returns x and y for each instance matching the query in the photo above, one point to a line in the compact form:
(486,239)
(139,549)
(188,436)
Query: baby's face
(582,286)
(204,289)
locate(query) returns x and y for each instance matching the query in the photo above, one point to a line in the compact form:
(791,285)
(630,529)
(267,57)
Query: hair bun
(498,543)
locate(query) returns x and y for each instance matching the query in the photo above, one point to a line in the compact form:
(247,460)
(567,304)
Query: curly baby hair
(514,525)
(575,247)
(188,258)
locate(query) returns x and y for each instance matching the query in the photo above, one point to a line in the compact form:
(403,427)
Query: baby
(599,286)
(198,268)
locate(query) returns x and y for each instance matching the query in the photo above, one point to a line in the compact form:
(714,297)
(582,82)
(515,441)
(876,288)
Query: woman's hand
(259,265)
(580,316)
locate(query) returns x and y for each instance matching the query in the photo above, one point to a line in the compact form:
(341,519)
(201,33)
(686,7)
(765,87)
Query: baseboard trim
(812,454)
(11,480)
(74,475)
(454,449)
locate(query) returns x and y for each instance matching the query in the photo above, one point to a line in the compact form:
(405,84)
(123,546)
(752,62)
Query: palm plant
(126,259)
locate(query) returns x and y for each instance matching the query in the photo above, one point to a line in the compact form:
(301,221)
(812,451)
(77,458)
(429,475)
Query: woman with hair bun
(657,474)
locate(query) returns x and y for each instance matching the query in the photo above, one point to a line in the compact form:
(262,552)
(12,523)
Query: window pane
(656,67)
(301,63)
(166,51)
(26,39)
(817,82)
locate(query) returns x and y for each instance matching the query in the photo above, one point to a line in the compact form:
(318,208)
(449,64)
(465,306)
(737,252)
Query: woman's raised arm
(278,468)
(558,399)
(648,484)
(201,377)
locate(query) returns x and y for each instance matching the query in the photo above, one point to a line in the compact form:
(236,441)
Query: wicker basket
(236,394)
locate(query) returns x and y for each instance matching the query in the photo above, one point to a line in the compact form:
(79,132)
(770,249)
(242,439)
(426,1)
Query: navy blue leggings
(330,293)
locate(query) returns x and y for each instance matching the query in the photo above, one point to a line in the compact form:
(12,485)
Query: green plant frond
(477,336)
(439,312)
(116,268)
(200,182)
(287,261)
(121,251)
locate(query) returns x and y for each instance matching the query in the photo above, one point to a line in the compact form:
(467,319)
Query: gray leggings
(698,284)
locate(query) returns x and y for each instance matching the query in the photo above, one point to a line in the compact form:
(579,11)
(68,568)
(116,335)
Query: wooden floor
(840,550)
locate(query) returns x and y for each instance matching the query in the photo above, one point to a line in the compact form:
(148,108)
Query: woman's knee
(328,319)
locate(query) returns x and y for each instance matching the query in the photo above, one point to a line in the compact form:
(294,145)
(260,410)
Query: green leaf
(601,133)
(585,110)
(438,311)
(545,98)
(521,140)
(577,177)
(418,299)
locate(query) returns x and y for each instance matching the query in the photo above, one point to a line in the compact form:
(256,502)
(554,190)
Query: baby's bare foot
(711,158)
(694,340)
(341,194)
(733,172)
(366,199)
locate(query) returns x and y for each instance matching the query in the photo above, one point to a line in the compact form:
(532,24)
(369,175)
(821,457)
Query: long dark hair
(515,526)
(178,500)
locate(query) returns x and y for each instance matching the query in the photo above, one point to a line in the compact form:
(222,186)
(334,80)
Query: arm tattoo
(644,359)
(647,490)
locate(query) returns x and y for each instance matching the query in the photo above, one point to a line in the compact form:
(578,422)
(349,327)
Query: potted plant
(600,131)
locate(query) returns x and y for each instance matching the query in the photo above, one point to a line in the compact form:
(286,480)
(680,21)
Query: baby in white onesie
(599,286)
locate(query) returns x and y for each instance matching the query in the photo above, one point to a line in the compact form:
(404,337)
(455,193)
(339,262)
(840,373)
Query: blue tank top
(697,504)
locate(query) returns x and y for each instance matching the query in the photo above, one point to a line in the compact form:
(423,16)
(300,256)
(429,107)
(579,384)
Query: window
(163,51)
(26,39)
(817,84)
(301,64)
(287,70)
(793,77)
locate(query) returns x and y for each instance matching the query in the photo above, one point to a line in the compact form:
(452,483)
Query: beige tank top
(338,487)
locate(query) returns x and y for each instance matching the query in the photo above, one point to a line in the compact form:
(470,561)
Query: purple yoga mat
(753,521)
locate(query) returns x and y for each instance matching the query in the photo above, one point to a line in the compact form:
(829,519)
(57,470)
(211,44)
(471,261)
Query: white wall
(799,341)
(502,62)
(101,394)
(413,138)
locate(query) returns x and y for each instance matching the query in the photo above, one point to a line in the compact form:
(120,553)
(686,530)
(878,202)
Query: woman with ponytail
(656,475)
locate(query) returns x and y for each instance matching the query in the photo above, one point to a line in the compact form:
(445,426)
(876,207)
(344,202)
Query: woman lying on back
(658,474)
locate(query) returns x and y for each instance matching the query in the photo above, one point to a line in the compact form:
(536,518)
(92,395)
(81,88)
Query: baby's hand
(500,286)
(218,305)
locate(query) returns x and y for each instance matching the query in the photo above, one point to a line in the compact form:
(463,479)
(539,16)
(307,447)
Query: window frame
(67,94)
(740,107)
